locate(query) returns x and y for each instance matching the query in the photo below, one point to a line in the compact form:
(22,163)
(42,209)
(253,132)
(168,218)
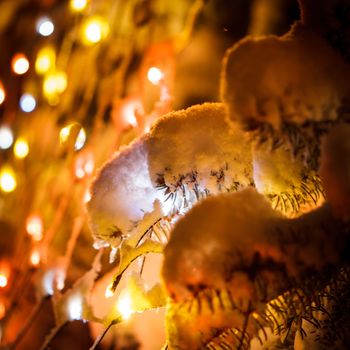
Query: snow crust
(198,141)
(297,78)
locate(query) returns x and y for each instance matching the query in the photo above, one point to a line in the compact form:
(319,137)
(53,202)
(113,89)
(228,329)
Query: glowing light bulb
(94,30)
(80,141)
(20,63)
(2,93)
(79,173)
(84,164)
(34,226)
(27,103)
(6,137)
(54,84)
(124,305)
(129,113)
(64,134)
(109,293)
(61,81)
(44,26)
(75,307)
(73,134)
(154,75)
(21,148)
(87,197)
(78,5)
(8,181)
(35,257)
(3,280)
(45,60)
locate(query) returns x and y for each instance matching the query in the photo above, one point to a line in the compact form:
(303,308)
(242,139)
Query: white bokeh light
(27,103)
(6,137)
(44,26)
(75,307)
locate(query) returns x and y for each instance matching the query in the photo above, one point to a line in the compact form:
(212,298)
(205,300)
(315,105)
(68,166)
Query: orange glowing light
(34,227)
(2,310)
(35,257)
(84,165)
(87,197)
(2,93)
(20,64)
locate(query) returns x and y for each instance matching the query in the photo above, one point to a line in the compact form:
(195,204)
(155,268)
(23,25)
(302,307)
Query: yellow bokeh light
(34,226)
(8,181)
(64,133)
(21,148)
(54,84)
(94,30)
(45,60)
(73,134)
(77,5)
(20,64)
(124,306)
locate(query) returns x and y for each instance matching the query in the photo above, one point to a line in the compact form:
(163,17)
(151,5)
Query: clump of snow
(196,147)
(187,155)
(203,245)
(335,169)
(296,78)
(226,239)
(122,194)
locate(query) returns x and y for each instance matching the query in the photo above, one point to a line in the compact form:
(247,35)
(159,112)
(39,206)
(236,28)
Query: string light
(45,60)
(2,310)
(20,64)
(94,30)
(75,307)
(80,142)
(21,148)
(2,93)
(87,197)
(129,112)
(34,226)
(78,5)
(64,134)
(54,84)
(84,164)
(3,280)
(44,26)
(6,137)
(154,75)
(27,103)
(35,257)
(8,181)
(53,278)
(124,305)
(68,132)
